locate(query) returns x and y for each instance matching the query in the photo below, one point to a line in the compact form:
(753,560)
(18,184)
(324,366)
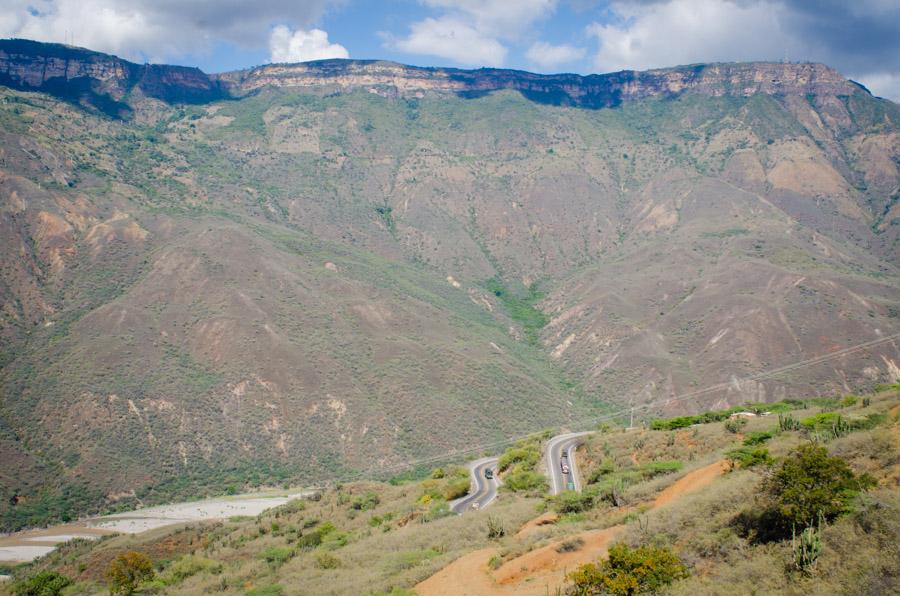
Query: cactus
(788,422)
(840,428)
(806,547)
(495,529)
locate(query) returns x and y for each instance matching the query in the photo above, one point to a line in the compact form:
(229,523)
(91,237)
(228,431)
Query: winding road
(557,447)
(483,491)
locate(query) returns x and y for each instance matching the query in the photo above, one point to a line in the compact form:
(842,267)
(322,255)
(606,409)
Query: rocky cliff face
(99,79)
(569,89)
(95,78)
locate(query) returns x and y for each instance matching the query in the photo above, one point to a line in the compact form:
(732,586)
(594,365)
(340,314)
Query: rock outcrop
(97,79)
(593,91)
(105,81)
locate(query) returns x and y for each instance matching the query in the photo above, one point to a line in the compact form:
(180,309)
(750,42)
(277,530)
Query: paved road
(556,447)
(483,491)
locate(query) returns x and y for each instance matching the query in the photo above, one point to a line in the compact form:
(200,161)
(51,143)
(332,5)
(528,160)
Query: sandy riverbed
(31,544)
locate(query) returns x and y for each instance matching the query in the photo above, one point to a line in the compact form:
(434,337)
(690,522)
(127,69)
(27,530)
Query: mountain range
(305,271)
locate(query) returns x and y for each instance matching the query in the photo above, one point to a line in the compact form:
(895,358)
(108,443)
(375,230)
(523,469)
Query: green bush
(810,483)
(747,457)
(187,566)
(571,501)
(370,500)
(659,468)
(277,556)
(45,583)
(456,487)
(808,487)
(757,438)
(735,426)
(526,456)
(127,571)
(645,569)
(326,560)
(524,480)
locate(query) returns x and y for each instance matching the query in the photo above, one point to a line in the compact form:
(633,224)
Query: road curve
(556,447)
(483,491)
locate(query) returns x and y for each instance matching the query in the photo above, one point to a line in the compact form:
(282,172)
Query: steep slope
(311,270)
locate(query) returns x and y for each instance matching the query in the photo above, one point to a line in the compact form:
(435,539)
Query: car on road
(564,466)
(488,473)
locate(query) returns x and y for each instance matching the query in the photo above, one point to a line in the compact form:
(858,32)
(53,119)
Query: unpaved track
(543,570)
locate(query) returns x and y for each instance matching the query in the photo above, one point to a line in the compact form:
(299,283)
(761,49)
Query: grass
(521,308)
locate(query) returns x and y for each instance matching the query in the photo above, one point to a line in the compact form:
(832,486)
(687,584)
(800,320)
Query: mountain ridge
(68,70)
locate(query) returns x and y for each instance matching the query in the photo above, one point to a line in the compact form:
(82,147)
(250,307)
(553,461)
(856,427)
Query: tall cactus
(806,547)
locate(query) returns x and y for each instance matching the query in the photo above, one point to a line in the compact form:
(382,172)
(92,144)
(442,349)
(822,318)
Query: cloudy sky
(861,38)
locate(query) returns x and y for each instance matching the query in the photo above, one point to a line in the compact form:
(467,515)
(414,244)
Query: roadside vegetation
(793,508)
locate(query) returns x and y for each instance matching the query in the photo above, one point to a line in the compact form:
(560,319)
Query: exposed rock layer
(91,76)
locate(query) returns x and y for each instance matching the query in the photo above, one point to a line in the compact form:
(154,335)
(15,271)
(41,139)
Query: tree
(127,571)
(810,483)
(629,571)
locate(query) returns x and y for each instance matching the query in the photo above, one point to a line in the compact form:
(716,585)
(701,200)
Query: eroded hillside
(306,279)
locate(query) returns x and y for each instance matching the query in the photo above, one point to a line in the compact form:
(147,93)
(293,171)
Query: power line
(374,470)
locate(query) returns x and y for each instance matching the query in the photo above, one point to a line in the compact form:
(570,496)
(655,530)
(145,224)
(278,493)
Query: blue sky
(860,38)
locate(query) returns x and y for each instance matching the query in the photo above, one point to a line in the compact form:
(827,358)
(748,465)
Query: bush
(810,483)
(571,501)
(127,571)
(757,438)
(658,468)
(570,545)
(527,456)
(525,480)
(807,487)
(189,565)
(747,457)
(45,583)
(326,560)
(457,487)
(277,556)
(645,569)
(495,529)
(370,500)
(735,426)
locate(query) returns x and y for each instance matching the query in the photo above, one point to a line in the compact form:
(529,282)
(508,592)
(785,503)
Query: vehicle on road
(564,467)
(488,473)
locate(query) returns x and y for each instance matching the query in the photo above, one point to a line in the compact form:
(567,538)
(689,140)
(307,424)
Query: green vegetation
(521,308)
(810,484)
(784,517)
(628,571)
(45,583)
(519,463)
(749,456)
(128,571)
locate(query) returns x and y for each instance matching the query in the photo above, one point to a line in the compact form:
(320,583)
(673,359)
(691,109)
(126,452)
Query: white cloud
(688,31)
(452,39)
(500,18)
(882,84)
(861,39)
(548,55)
(472,32)
(301,46)
(155,30)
